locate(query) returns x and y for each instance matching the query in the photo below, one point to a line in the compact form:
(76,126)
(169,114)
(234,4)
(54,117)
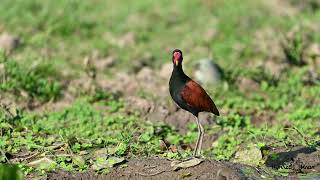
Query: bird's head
(177,57)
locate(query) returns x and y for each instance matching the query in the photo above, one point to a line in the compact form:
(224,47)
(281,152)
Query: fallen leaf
(173,148)
(185,164)
(83,153)
(113,161)
(43,163)
(102,163)
(162,145)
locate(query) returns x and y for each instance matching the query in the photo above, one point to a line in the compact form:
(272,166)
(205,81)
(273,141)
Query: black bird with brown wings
(189,95)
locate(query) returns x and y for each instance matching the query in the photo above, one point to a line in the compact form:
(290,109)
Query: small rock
(250,155)
(208,72)
(8,42)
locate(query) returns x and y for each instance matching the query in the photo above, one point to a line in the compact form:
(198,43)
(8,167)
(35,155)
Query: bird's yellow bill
(176,62)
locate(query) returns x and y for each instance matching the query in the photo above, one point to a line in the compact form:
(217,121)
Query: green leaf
(11,172)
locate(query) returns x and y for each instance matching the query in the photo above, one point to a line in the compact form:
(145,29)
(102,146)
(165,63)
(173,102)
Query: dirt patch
(301,160)
(298,159)
(263,118)
(52,106)
(159,168)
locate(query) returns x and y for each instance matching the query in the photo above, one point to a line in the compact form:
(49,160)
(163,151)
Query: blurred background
(87,75)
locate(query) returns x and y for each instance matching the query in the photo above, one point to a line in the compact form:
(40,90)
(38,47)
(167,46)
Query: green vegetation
(10,172)
(37,81)
(277,108)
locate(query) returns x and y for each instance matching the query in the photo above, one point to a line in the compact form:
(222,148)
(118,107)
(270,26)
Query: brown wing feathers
(196,97)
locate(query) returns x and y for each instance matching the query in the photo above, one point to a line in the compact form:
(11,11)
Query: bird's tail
(214,110)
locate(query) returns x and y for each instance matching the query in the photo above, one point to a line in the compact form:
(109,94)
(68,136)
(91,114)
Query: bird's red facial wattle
(177,58)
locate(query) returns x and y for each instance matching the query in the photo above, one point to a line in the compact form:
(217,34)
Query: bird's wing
(196,97)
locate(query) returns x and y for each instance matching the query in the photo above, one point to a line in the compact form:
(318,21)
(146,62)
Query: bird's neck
(178,69)
(178,74)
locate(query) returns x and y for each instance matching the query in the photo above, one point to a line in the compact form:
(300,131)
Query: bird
(190,96)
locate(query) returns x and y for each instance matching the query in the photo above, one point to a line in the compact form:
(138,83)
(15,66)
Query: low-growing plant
(40,82)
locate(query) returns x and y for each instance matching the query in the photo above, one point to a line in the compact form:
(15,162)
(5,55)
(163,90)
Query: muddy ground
(159,168)
(300,162)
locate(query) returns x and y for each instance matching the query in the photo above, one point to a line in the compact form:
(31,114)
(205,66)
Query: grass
(39,81)
(82,128)
(58,36)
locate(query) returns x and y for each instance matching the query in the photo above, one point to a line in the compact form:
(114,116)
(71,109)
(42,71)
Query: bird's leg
(197,149)
(201,139)
(197,144)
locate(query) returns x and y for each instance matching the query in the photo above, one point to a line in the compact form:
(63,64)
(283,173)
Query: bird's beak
(176,62)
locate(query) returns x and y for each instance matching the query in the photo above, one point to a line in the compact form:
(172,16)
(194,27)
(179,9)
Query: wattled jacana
(189,95)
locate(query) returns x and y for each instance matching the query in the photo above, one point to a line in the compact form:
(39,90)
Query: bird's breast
(175,92)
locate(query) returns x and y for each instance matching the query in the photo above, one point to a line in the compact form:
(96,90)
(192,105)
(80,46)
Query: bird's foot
(189,162)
